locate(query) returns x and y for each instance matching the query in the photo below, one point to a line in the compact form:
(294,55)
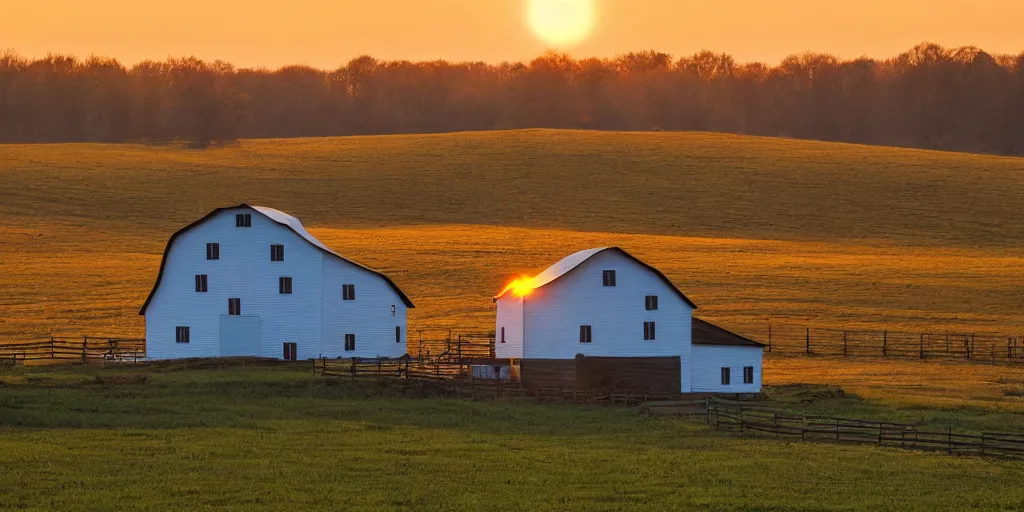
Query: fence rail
(86,348)
(797,340)
(764,421)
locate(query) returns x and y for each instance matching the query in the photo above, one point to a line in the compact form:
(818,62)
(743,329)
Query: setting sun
(561,22)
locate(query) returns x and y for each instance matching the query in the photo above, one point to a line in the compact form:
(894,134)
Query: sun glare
(520,287)
(561,22)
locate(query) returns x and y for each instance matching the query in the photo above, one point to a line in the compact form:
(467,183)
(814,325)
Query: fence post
(707,408)
(922,346)
(879,433)
(844,343)
(85,343)
(1009,349)
(51,348)
(885,342)
(950,440)
(807,341)
(970,346)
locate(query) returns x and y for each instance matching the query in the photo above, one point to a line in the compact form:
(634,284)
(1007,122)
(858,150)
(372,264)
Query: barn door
(240,336)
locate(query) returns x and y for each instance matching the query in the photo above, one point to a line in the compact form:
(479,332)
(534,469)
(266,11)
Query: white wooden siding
(708,361)
(509,317)
(368,316)
(308,317)
(554,313)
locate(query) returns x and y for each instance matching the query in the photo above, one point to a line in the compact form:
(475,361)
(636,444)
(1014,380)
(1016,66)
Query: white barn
(606,303)
(251,281)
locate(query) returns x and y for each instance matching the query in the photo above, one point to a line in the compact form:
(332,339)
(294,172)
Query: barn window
(350,342)
(651,302)
(648,330)
(291,351)
(181,334)
(748,374)
(201,283)
(277,252)
(392,310)
(398,334)
(234,307)
(213,251)
(348,292)
(585,334)
(243,220)
(726,376)
(284,285)
(609,278)
(503,335)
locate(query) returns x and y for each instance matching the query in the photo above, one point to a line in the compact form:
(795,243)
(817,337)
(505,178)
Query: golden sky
(325,33)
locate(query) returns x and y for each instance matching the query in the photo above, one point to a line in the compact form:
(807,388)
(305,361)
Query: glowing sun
(561,22)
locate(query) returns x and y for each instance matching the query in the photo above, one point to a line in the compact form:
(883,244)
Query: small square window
(726,376)
(202,283)
(586,334)
(291,351)
(348,292)
(651,303)
(350,342)
(649,331)
(234,307)
(284,285)
(277,252)
(181,334)
(748,374)
(243,220)
(609,278)
(213,251)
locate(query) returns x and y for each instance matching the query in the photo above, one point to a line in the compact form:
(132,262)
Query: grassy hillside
(276,438)
(753,229)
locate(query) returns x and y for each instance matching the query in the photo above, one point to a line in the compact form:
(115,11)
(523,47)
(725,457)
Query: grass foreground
(273,437)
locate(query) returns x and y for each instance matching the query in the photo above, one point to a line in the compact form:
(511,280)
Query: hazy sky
(325,33)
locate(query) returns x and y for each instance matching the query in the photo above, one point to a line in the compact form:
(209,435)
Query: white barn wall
(245,271)
(309,316)
(709,361)
(553,315)
(509,317)
(368,316)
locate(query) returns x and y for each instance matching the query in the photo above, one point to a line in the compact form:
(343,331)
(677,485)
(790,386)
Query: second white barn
(606,303)
(251,281)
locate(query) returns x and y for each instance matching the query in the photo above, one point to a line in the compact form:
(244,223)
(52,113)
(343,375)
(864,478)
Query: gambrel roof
(281,218)
(571,262)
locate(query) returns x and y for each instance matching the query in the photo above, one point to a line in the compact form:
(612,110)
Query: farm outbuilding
(603,318)
(251,281)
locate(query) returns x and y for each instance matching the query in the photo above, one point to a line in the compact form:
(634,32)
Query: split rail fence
(84,349)
(794,340)
(761,421)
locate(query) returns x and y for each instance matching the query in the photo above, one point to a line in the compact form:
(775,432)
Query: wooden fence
(84,349)
(753,420)
(795,340)
(449,345)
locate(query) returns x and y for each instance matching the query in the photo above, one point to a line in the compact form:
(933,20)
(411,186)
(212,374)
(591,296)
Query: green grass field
(275,437)
(753,229)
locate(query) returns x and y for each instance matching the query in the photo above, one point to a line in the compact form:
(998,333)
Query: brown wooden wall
(637,374)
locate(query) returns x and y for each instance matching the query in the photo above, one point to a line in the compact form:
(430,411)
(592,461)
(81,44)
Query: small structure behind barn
(601,318)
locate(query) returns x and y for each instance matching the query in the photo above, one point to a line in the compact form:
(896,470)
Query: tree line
(928,97)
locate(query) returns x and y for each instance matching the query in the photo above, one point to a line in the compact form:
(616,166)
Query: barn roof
(571,262)
(279,217)
(706,333)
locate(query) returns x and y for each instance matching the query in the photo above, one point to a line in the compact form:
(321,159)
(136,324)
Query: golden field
(753,229)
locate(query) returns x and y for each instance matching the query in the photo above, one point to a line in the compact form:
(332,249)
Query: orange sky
(326,33)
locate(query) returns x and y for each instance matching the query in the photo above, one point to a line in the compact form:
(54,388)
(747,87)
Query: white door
(239,336)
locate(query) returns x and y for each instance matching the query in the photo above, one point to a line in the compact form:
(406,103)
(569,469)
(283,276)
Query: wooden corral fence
(84,349)
(450,345)
(742,417)
(798,340)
